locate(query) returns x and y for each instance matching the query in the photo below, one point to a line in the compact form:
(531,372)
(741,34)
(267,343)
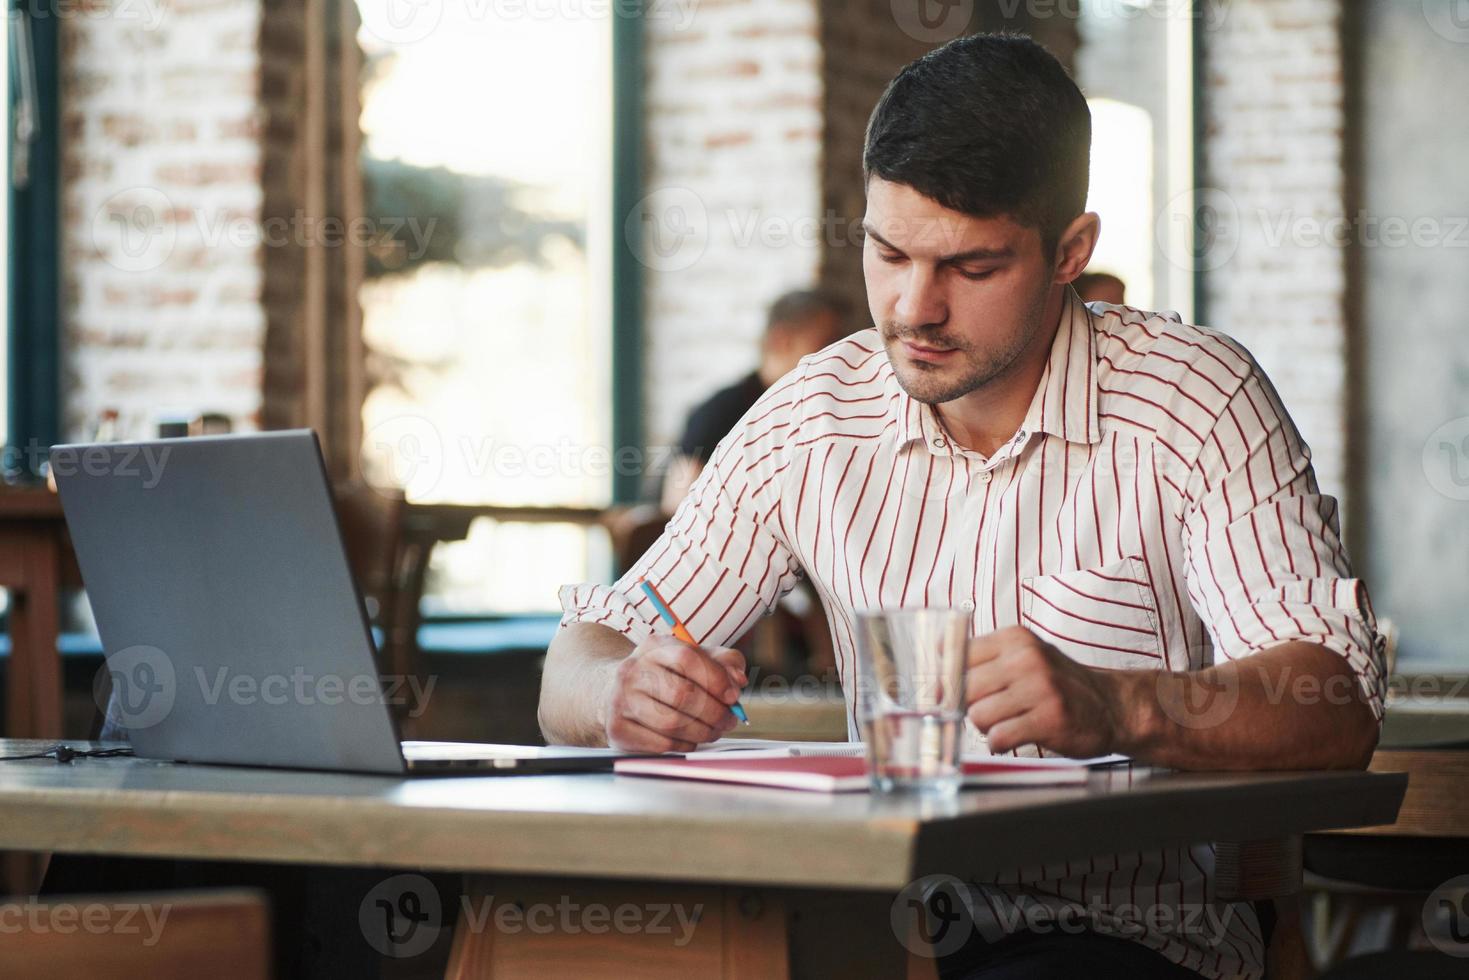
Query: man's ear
(1075,246)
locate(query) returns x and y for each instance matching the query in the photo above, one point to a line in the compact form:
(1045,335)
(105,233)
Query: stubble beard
(934,384)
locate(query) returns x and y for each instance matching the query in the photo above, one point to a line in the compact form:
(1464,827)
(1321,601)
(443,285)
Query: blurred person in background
(1101,287)
(799,323)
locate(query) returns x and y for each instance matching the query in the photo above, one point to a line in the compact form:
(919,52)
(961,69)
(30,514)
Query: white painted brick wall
(733,116)
(1273,114)
(160,144)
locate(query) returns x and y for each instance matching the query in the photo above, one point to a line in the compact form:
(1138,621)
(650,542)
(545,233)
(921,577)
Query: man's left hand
(1019,689)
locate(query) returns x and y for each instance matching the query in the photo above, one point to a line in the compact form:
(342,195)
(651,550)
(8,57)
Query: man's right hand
(667,696)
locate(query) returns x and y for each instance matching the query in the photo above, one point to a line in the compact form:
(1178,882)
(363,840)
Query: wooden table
(35,556)
(767,866)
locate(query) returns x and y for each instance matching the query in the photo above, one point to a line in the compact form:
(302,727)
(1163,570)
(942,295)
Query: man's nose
(921,301)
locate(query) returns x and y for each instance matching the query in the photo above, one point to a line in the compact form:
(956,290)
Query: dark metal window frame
(34,255)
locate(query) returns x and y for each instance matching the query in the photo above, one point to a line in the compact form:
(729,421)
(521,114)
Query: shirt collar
(1065,402)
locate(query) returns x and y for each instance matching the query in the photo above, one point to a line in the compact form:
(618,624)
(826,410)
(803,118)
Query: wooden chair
(160,936)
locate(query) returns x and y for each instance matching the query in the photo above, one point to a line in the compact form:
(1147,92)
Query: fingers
(628,735)
(734,662)
(668,696)
(697,666)
(676,704)
(989,711)
(1012,733)
(997,660)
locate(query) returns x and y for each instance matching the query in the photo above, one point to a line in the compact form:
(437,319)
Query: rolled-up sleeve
(1266,564)
(723,559)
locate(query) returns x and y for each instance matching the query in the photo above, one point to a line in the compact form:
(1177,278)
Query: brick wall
(161,198)
(1273,165)
(733,110)
(756,114)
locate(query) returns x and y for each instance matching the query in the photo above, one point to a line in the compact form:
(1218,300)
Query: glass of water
(910,698)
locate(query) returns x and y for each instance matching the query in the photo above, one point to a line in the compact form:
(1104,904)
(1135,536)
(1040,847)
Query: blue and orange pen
(682,632)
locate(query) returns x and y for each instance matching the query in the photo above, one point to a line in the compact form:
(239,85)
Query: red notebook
(838,774)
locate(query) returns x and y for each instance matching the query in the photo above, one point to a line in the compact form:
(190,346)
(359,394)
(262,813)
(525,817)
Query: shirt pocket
(1101,617)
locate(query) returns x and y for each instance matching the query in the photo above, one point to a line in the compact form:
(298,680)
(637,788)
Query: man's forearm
(1295,706)
(576,682)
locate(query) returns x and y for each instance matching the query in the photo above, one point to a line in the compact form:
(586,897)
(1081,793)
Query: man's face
(957,299)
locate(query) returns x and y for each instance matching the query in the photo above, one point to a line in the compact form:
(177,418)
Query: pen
(682,632)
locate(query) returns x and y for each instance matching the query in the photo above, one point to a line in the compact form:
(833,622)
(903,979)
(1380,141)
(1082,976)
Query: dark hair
(799,304)
(988,125)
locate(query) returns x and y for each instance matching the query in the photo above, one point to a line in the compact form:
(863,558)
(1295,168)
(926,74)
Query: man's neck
(987,418)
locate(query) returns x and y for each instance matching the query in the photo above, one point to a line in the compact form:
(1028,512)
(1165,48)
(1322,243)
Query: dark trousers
(1059,956)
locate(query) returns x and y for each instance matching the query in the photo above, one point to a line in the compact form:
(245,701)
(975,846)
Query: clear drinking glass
(910,697)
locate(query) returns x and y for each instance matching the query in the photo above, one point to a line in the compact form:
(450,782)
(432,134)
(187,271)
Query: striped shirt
(1156,509)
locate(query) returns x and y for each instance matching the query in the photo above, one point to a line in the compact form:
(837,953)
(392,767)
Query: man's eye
(892,258)
(976,276)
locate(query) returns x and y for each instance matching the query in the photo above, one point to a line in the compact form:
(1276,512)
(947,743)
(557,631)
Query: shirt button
(938,441)
(967,605)
(984,476)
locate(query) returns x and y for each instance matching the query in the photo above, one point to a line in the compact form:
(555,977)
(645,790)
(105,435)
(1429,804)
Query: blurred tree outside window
(486,157)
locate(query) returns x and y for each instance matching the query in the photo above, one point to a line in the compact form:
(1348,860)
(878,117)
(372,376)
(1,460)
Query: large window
(487,136)
(1135,64)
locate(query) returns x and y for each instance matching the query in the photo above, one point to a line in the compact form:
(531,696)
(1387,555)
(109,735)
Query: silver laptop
(234,632)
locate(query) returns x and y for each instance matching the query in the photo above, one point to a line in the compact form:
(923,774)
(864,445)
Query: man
(1117,498)
(1100,287)
(799,323)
